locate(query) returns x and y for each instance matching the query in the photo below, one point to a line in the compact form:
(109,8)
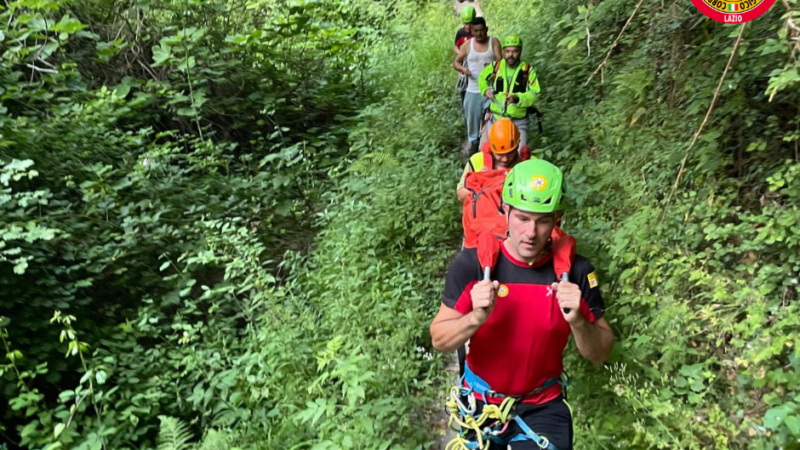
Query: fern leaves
(372,161)
(173,435)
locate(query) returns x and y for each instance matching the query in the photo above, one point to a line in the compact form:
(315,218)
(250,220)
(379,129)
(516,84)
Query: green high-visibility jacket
(521,81)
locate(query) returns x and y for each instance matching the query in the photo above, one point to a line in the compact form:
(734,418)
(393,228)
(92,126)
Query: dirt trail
(458,5)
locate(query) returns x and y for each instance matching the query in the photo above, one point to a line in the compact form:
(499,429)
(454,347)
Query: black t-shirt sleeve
(463,271)
(461,35)
(584,275)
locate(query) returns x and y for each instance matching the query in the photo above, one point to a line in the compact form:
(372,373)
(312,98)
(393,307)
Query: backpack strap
(563,248)
(524,153)
(476,164)
(488,161)
(496,68)
(526,71)
(489,243)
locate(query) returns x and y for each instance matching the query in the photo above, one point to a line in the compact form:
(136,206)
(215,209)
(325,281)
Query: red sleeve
(464,303)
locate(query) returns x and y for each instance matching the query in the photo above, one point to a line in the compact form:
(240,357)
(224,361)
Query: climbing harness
(494,419)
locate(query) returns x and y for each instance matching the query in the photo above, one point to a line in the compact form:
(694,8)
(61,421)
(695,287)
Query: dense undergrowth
(243,211)
(702,285)
(238,210)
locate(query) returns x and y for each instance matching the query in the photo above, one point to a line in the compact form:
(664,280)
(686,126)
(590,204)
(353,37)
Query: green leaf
(774,417)
(66,396)
(186,111)
(101,376)
(164,266)
(572,43)
(68,25)
(17,164)
(793,424)
(58,429)
(122,90)
(697,385)
(20,266)
(161,54)
(173,434)
(187,64)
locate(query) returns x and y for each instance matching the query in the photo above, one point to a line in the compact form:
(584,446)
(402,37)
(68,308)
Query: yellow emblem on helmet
(538,183)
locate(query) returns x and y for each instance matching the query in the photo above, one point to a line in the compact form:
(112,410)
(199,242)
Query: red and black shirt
(462,36)
(522,343)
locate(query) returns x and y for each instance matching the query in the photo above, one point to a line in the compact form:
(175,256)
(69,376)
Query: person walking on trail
(518,318)
(511,85)
(499,152)
(479,52)
(463,34)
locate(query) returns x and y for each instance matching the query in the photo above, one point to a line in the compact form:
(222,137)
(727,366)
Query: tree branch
(602,64)
(703,124)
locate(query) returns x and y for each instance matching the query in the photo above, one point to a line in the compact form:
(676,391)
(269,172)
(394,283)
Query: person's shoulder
(477,160)
(581,266)
(464,269)
(466,260)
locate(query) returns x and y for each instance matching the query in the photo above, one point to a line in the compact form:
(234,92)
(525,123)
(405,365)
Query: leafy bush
(222,239)
(241,212)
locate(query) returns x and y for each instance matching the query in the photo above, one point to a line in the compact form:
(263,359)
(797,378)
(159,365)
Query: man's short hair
(478,21)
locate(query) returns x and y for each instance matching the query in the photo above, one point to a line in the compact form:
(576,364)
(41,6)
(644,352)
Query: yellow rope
(500,413)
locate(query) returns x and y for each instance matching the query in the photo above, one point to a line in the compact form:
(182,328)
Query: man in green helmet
(479,52)
(463,34)
(511,84)
(519,318)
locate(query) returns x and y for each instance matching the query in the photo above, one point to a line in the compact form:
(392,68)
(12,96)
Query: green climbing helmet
(467,14)
(512,40)
(535,186)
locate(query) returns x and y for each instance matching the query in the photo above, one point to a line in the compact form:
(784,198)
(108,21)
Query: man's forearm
(458,66)
(594,342)
(448,335)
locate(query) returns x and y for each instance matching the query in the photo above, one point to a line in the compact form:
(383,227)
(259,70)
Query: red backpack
(482,211)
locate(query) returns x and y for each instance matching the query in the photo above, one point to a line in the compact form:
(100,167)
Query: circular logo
(538,183)
(502,291)
(733,11)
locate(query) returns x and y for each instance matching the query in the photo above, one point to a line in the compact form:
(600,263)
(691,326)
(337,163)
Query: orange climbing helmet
(503,136)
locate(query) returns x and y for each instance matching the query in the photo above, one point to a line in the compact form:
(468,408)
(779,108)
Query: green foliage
(187,187)
(227,221)
(173,435)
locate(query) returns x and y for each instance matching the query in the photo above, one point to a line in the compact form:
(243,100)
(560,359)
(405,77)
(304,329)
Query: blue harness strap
(479,386)
(531,435)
